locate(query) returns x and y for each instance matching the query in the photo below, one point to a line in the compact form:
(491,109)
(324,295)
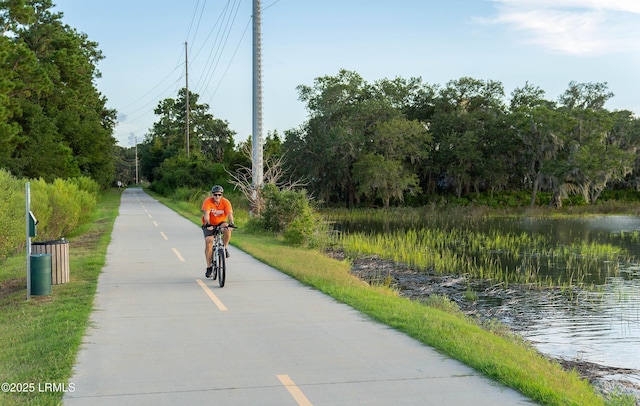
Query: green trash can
(40,274)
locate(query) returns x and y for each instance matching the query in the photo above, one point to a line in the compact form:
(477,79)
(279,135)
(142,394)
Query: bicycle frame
(218,256)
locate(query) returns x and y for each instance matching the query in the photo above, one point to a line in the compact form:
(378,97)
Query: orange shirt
(217,212)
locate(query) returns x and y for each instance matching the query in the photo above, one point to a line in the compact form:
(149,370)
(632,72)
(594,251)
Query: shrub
(12,214)
(291,213)
(87,184)
(60,207)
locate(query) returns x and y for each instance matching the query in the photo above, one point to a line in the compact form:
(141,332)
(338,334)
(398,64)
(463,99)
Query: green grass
(41,337)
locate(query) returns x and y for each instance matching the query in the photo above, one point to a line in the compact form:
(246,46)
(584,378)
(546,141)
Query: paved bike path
(162,334)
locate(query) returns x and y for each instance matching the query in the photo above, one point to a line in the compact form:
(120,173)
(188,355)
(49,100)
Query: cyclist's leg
(208,247)
(208,250)
(226,236)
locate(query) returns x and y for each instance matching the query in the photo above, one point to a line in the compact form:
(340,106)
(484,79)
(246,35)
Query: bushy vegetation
(180,173)
(60,207)
(290,213)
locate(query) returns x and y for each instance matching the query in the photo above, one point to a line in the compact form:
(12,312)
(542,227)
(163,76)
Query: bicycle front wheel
(214,263)
(222,267)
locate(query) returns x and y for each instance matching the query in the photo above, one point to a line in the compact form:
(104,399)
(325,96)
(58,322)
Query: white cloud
(579,27)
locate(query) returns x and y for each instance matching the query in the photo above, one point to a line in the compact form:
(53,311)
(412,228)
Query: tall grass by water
(446,243)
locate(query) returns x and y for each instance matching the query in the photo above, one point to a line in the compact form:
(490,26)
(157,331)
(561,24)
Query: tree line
(402,139)
(54,123)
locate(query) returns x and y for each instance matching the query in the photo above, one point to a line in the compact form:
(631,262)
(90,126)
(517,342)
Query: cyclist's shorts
(208,233)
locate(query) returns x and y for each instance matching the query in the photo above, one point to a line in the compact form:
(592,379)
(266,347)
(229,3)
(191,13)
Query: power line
(270,5)
(212,69)
(150,90)
(217,50)
(230,61)
(220,16)
(195,11)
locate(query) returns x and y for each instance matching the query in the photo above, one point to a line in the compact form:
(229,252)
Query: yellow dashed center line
(163,236)
(294,390)
(175,251)
(212,296)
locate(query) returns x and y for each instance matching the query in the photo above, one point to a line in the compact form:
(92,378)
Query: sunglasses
(217,194)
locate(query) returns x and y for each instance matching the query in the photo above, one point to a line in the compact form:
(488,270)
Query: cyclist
(216,211)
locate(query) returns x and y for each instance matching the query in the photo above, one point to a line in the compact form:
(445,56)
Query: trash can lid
(52,242)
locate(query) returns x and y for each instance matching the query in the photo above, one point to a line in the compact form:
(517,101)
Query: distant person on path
(216,211)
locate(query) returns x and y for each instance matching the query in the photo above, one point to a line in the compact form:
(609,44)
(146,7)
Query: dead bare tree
(242,180)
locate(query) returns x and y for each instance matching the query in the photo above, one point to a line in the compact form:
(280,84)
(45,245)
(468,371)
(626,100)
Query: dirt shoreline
(418,286)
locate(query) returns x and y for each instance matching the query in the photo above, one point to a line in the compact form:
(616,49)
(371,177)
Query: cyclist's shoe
(226,253)
(208,273)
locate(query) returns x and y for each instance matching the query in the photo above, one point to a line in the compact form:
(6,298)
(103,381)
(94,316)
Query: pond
(601,324)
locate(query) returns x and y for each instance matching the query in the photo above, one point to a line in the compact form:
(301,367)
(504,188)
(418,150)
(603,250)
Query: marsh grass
(449,243)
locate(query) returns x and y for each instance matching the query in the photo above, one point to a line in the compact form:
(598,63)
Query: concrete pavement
(162,334)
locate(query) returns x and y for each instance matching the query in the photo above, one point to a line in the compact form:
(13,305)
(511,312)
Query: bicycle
(218,255)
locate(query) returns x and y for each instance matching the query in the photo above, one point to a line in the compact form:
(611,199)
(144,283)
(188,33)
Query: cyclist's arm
(205,216)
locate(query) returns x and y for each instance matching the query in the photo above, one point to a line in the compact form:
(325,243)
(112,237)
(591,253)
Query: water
(603,328)
(602,325)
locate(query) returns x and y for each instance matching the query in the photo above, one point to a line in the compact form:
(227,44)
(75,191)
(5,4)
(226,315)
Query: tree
(58,124)
(542,129)
(389,171)
(163,158)
(626,132)
(469,127)
(382,178)
(274,173)
(593,156)
(344,112)
(413,98)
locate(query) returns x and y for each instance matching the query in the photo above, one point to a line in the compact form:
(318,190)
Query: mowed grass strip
(41,337)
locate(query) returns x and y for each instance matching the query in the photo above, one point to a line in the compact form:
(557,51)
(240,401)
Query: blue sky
(546,43)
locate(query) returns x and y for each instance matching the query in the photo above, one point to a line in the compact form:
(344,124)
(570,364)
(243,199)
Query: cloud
(577,27)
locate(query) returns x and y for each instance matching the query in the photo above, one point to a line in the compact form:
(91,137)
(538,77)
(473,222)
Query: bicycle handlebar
(219,226)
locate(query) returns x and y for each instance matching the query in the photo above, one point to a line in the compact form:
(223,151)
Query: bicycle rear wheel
(222,267)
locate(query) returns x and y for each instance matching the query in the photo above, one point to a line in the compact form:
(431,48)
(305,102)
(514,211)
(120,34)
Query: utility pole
(137,178)
(28,207)
(256,161)
(134,138)
(186,75)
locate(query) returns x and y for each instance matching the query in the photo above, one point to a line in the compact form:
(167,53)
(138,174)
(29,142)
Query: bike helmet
(217,188)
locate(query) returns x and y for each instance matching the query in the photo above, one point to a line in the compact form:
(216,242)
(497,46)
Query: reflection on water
(603,325)
(602,328)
